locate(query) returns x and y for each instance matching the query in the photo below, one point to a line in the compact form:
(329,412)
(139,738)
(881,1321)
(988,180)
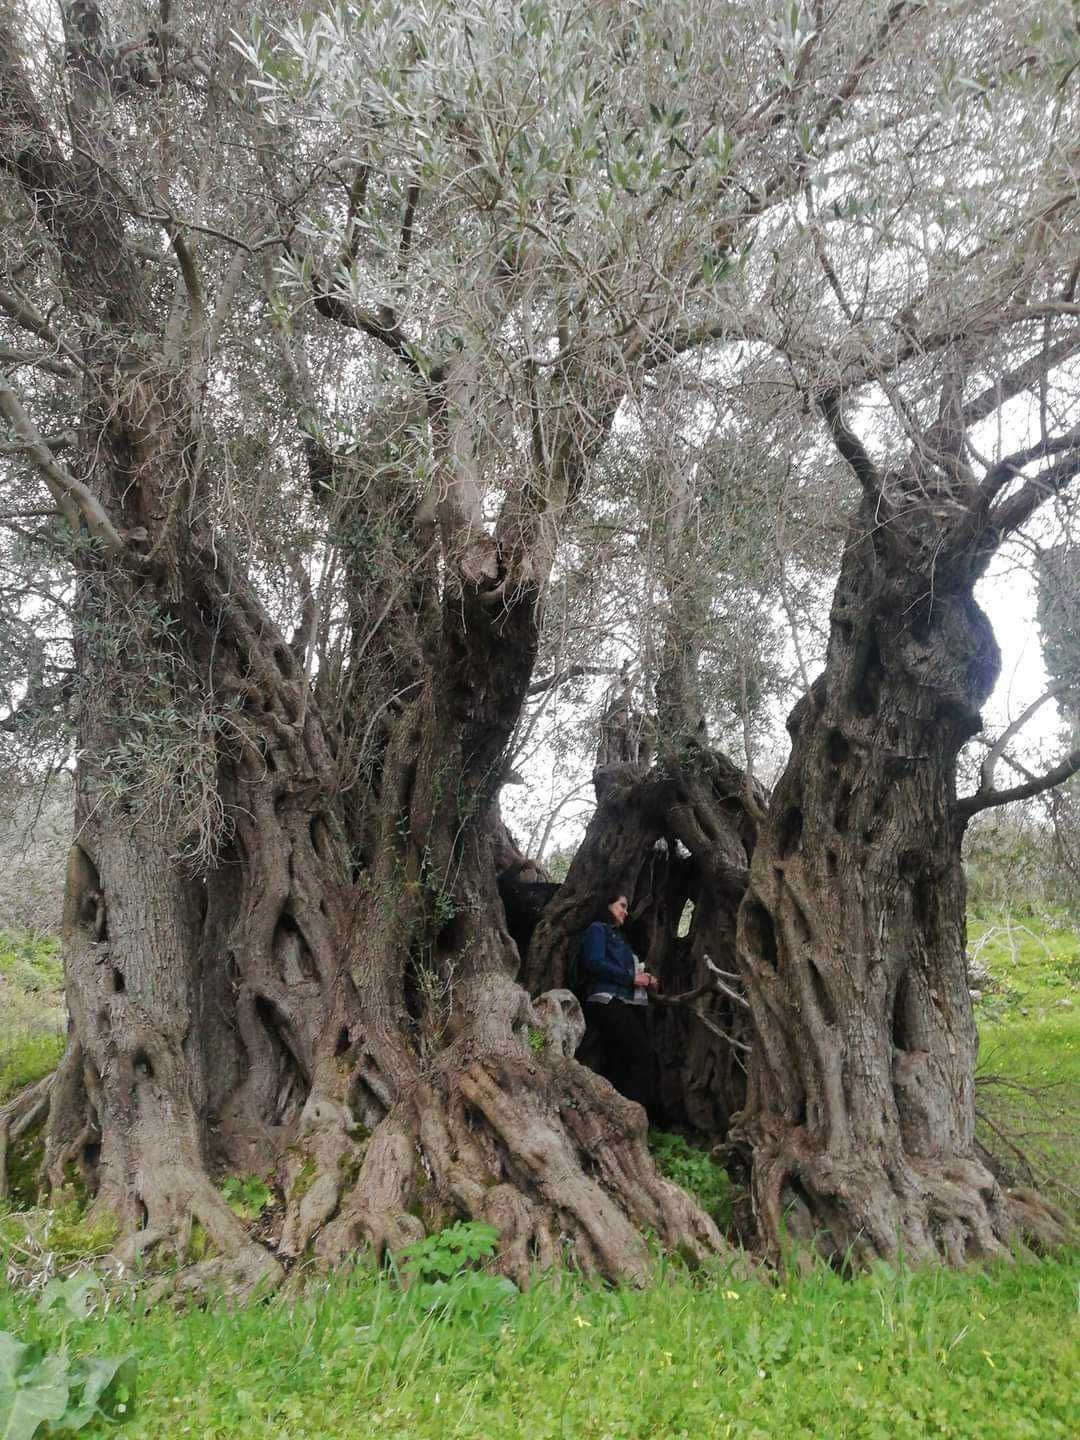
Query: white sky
(1008,597)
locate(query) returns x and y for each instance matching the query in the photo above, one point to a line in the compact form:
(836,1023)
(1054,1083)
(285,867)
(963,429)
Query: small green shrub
(444,1283)
(695,1171)
(246,1195)
(449,1251)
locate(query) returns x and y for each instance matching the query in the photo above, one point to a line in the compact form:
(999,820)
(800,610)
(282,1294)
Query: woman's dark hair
(603,910)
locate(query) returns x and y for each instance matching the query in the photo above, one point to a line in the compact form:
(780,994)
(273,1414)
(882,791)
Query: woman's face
(617,909)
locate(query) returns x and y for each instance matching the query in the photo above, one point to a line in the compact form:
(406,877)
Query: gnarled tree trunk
(361,1040)
(851,938)
(285,947)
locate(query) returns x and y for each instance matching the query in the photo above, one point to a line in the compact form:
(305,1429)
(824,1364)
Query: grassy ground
(31,1010)
(981,1353)
(890,1356)
(1029,1046)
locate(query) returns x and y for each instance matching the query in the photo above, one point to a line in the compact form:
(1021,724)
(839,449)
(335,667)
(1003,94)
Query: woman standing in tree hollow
(616,992)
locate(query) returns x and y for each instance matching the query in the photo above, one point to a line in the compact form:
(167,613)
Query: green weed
(696,1172)
(445,1281)
(246,1195)
(448,1252)
(46,1385)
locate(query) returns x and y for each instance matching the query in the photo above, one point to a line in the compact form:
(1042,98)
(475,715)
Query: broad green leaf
(74,1294)
(41,1394)
(12,1355)
(101,1384)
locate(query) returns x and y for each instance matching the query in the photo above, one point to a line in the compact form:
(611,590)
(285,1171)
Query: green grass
(38,1240)
(32,1027)
(890,1356)
(31,963)
(1029,1046)
(1034,959)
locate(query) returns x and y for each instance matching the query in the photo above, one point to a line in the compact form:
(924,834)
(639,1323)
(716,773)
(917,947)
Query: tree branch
(973,804)
(76,501)
(1018,508)
(989,764)
(1012,466)
(412,199)
(39,700)
(894,17)
(849,445)
(687,999)
(17,308)
(192,286)
(62,440)
(1024,377)
(382,327)
(37,361)
(357,197)
(572,672)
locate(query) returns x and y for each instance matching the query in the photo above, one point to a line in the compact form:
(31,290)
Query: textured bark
(477,1118)
(133,1099)
(851,937)
(360,1040)
(305,970)
(333,1004)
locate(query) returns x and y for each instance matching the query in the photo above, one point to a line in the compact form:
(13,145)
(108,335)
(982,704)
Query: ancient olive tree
(322,953)
(893,293)
(948,386)
(317,336)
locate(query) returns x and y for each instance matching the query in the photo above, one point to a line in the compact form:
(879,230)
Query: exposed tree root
(175,1203)
(855,1209)
(161,1217)
(499,1125)
(377,1209)
(73,1136)
(538,1147)
(1038,1223)
(26,1112)
(316,1171)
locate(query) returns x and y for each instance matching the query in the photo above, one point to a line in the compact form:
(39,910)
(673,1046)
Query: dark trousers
(618,1045)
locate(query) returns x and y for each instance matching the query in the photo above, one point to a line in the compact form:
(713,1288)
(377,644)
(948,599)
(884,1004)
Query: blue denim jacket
(607,962)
